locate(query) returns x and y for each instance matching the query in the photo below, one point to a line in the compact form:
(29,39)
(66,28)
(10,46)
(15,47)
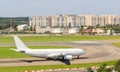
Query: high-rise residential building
(80,21)
(41,21)
(108,19)
(72,21)
(118,20)
(58,21)
(88,20)
(64,21)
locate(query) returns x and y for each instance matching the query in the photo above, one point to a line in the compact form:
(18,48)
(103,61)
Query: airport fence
(68,70)
(63,70)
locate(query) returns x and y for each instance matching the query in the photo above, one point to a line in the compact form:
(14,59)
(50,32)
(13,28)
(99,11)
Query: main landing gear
(78,57)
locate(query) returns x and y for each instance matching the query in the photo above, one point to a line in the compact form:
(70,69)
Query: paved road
(96,51)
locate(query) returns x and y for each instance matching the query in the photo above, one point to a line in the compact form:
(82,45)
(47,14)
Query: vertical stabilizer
(19,44)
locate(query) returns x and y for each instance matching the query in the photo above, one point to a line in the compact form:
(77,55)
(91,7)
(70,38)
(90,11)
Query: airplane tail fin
(19,44)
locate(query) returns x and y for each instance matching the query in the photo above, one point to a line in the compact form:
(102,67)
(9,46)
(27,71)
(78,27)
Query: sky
(15,8)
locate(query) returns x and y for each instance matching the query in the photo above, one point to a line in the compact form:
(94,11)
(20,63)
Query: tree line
(104,68)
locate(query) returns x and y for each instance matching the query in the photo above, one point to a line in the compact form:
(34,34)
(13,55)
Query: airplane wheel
(62,58)
(30,61)
(78,57)
(55,59)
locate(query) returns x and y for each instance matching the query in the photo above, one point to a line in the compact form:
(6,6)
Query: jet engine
(68,57)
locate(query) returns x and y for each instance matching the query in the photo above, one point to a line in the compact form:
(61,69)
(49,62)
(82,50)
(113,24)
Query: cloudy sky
(13,8)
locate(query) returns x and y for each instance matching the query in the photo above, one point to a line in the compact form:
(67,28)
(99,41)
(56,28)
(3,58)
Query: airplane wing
(55,55)
(60,55)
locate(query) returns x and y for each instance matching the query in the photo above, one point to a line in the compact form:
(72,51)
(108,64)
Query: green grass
(9,39)
(117,44)
(6,39)
(24,68)
(6,52)
(49,47)
(66,38)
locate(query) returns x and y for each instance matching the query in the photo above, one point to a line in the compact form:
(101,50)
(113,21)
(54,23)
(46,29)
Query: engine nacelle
(68,57)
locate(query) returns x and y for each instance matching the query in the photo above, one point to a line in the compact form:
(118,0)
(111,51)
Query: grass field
(117,44)
(6,52)
(24,68)
(4,39)
(9,39)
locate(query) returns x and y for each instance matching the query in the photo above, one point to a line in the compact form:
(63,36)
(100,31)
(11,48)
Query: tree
(116,28)
(117,66)
(3,25)
(103,68)
(81,30)
(108,26)
(98,26)
(90,27)
(89,70)
(0,27)
(30,28)
(47,32)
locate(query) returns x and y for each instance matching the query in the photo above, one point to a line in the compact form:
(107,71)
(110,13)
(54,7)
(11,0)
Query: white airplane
(65,54)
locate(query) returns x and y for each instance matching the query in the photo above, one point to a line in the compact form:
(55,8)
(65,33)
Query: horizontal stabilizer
(14,49)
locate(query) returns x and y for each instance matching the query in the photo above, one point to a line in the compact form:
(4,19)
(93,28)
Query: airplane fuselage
(46,52)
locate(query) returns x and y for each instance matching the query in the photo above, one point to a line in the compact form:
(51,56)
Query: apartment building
(41,21)
(64,21)
(109,19)
(58,21)
(72,21)
(88,20)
